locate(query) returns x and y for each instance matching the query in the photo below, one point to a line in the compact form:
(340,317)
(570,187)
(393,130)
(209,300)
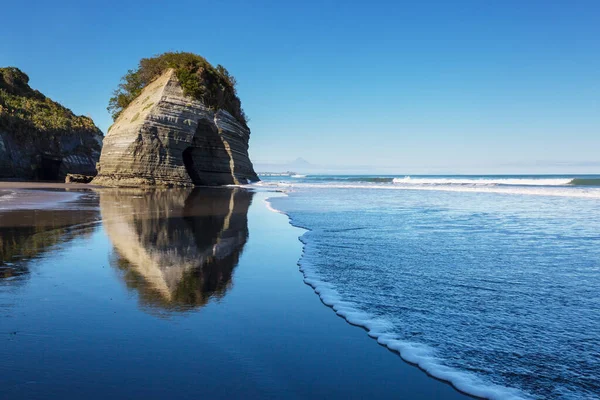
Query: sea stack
(39,138)
(167,136)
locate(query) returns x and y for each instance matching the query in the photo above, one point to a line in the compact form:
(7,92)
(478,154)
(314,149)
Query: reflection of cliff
(178,248)
(26,234)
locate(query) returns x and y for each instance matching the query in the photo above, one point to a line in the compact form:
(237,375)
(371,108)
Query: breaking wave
(585,182)
(563,190)
(484,181)
(459,180)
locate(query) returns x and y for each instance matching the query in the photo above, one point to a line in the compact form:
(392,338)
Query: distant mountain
(299,165)
(301,162)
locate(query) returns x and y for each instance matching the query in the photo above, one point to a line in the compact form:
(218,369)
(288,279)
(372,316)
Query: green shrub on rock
(25,111)
(213,86)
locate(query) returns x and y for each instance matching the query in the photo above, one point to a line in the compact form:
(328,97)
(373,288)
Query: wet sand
(39,195)
(176,294)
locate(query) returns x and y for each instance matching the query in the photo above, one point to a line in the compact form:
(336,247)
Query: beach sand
(176,294)
(39,195)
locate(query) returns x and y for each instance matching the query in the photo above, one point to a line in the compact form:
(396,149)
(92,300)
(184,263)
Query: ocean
(491,283)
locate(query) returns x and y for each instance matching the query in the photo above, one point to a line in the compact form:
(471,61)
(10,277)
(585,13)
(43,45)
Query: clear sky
(408,87)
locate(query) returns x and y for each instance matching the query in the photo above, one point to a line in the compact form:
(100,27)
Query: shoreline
(406,367)
(326,299)
(443,280)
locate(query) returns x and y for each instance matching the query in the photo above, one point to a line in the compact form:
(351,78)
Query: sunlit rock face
(164,138)
(177,248)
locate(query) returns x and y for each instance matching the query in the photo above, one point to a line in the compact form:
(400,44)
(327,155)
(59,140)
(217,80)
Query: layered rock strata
(165,138)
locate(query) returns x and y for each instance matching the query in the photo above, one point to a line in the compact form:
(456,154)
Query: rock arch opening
(207,160)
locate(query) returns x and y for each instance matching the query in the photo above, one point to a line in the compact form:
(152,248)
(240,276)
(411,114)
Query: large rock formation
(168,139)
(39,138)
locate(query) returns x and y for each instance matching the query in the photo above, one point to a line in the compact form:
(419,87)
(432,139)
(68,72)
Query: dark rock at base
(77,178)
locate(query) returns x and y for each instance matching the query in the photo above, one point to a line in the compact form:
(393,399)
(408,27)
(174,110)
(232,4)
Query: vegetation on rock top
(25,111)
(213,86)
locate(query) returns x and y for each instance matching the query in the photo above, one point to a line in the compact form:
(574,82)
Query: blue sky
(406,87)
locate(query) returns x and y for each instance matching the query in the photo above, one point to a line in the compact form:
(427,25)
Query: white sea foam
(534,190)
(271,208)
(484,181)
(298,176)
(416,353)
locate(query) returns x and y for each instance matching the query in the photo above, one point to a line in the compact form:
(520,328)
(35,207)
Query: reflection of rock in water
(178,248)
(27,234)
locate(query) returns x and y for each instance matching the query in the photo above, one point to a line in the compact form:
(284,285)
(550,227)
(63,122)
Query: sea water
(489,282)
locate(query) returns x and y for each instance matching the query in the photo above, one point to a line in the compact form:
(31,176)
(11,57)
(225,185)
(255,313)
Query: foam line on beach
(593,193)
(414,353)
(271,208)
(485,181)
(568,181)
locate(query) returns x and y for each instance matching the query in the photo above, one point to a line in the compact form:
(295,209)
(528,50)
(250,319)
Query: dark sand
(39,195)
(175,294)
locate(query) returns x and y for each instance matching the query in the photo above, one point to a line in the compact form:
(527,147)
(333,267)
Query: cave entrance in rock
(49,169)
(188,161)
(206,160)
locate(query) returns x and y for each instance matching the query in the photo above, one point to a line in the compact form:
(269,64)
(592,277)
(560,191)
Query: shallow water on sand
(176,294)
(497,292)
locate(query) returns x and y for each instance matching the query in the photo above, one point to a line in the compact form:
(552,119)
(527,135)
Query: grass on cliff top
(24,110)
(213,86)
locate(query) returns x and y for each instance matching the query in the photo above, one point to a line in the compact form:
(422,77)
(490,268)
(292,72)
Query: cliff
(39,138)
(167,138)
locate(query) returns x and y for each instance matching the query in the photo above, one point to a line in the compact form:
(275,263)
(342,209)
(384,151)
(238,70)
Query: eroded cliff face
(165,138)
(50,156)
(39,138)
